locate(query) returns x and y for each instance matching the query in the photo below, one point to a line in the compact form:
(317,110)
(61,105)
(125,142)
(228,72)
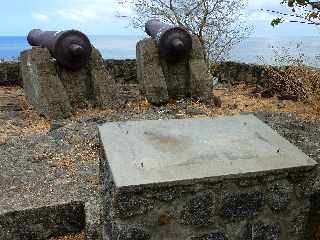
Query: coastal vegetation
(292,79)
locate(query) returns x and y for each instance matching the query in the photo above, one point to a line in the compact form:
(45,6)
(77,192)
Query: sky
(99,17)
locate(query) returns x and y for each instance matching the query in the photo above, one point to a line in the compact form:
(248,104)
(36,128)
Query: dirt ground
(79,236)
(18,119)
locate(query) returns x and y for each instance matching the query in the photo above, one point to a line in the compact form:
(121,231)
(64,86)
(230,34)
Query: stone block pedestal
(56,92)
(163,80)
(227,178)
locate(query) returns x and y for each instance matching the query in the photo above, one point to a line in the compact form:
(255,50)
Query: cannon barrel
(72,49)
(174,42)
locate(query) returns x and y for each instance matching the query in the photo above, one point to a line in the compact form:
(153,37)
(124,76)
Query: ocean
(111,47)
(251,50)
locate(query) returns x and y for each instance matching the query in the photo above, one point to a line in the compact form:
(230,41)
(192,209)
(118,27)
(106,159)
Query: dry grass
(84,152)
(32,122)
(296,81)
(90,112)
(291,77)
(241,99)
(235,100)
(71,237)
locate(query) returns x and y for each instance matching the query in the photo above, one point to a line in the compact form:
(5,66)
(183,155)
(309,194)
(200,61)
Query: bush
(292,79)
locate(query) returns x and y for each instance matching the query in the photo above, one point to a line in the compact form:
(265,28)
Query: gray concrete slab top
(146,152)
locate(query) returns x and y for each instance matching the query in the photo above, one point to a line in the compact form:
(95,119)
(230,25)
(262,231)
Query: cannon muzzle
(174,42)
(71,49)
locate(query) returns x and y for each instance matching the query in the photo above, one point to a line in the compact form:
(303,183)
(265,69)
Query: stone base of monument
(162,81)
(225,178)
(56,92)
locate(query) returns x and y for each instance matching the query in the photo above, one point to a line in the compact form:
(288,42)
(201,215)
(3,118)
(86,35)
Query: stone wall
(227,72)
(9,73)
(274,206)
(235,73)
(121,70)
(124,71)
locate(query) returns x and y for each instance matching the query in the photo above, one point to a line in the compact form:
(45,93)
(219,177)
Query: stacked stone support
(266,207)
(162,80)
(42,86)
(57,92)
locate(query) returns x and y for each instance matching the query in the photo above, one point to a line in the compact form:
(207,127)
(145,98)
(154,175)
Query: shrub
(292,78)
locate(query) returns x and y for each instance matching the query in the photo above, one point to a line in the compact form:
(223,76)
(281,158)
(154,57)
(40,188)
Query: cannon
(174,42)
(72,49)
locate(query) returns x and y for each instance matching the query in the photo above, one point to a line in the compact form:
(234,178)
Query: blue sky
(97,17)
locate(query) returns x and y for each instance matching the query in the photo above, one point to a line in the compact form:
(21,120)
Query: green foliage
(308,12)
(276,22)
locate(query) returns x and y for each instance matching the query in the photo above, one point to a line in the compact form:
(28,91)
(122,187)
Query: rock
(176,75)
(42,86)
(162,80)
(104,89)
(195,112)
(201,84)
(199,210)
(127,206)
(149,72)
(241,205)
(211,236)
(267,93)
(76,85)
(133,233)
(42,223)
(54,125)
(57,92)
(278,196)
(262,231)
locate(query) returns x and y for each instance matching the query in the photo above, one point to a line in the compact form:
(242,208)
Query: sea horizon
(251,50)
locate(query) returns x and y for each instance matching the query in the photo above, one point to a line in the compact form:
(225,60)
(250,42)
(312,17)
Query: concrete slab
(147,152)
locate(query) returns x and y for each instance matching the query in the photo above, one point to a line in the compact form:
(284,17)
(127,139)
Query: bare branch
(215,22)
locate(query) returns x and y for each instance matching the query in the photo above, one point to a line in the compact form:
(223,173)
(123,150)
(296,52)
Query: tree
(302,3)
(216,23)
(304,11)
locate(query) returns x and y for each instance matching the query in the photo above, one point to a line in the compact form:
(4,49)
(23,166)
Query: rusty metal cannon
(72,49)
(174,42)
